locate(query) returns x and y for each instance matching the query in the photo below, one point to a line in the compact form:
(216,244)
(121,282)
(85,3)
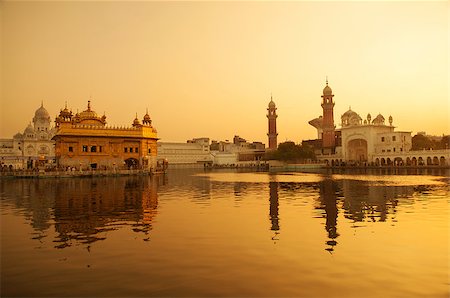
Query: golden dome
(88,114)
(89,117)
(136,121)
(147,116)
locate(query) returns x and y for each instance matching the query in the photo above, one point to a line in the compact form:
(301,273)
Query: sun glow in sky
(208,69)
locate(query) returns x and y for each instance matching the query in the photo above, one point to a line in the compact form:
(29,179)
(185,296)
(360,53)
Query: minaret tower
(328,138)
(272,116)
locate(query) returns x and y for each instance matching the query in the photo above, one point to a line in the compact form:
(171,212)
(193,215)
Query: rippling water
(195,233)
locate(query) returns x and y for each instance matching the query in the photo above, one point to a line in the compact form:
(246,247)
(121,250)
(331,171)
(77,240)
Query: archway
(357,150)
(420,161)
(377,161)
(389,161)
(429,162)
(436,161)
(398,161)
(414,161)
(442,161)
(383,162)
(408,161)
(132,163)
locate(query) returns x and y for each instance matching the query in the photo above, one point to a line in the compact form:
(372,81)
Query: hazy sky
(208,68)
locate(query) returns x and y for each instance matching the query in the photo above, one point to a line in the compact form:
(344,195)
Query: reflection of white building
(367,141)
(26,149)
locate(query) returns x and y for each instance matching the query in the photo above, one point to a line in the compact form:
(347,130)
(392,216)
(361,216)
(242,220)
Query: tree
(420,142)
(445,142)
(289,151)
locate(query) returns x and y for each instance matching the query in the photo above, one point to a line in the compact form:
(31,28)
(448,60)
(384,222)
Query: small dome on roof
(350,113)
(88,114)
(147,116)
(351,118)
(379,119)
(29,129)
(41,113)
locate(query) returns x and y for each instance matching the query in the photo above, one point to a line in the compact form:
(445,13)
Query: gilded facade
(84,141)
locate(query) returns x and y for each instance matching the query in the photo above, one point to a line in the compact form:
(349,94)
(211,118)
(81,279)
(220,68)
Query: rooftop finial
(327,80)
(42,103)
(136,115)
(146,111)
(89,105)
(65,106)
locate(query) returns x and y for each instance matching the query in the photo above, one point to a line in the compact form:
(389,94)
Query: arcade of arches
(436,160)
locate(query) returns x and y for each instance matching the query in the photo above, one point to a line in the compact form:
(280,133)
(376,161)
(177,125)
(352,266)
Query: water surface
(196,233)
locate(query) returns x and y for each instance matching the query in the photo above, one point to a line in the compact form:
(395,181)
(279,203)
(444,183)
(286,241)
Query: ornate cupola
(65,116)
(136,122)
(328,136)
(147,121)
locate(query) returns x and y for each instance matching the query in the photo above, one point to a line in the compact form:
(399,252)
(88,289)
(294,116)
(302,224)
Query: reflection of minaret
(328,198)
(273,186)
(272,116)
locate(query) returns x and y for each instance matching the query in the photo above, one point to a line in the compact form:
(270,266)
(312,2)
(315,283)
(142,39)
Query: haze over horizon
(208,69)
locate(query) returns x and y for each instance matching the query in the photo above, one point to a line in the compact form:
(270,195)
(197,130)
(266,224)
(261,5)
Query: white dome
(41,113)
(29,129)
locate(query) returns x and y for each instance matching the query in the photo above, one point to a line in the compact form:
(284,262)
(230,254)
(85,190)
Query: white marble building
(31,148)
(193,153)
(361,139)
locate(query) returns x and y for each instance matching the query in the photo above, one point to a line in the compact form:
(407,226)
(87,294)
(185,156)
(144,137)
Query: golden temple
(84,141)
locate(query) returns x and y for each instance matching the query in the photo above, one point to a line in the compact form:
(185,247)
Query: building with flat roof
(84,141)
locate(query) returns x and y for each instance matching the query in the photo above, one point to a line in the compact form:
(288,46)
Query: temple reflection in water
(83,210)
(359,202)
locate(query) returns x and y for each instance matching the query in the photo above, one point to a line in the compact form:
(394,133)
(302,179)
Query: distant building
(272,119)
(368,141)
(85,141)
(238,153)
(193,153)
(32,148)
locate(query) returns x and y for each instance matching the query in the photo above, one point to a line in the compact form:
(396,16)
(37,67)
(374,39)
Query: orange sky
(208,68)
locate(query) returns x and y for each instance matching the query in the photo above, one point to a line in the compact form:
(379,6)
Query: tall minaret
(272,116)
(328,140)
